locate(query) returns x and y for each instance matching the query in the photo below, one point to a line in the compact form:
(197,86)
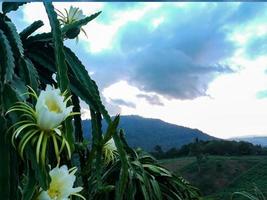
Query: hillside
(147,133)
(220,176)
(254,140)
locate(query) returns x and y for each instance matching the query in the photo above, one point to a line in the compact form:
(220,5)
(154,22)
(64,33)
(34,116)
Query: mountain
(147,133)
(260,140)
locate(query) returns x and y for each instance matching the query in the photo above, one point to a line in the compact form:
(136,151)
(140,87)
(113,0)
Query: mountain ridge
(256,140)
(149,132)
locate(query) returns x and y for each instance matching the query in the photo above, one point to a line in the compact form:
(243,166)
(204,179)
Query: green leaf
(79,23)
(42,59)
(79,138)
(97,139)
(30,187)
(13,92)
(30,29)
(13,37)
(11,6)
(81,74)
(77,119)
(29,73)
(69,133)
(20,88)
(7,59)
(42,37)
(62,76)
(10,97)
(124,169)
(41,173)
(156,189)
(112,128)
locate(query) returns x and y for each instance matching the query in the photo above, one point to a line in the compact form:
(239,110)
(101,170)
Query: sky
(200,65)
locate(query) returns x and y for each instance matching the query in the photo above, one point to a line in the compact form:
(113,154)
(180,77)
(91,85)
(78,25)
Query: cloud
(246,12)
(112,107)
(111,10)
(177,58)
(152,99)
(257,46)
(122,102)
(175,51)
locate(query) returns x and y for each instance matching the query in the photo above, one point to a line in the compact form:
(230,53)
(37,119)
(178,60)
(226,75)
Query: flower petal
(57,131)
(44,196)
(61,185)
(51,109)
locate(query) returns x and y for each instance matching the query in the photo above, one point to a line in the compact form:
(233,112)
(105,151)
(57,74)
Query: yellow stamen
(53,193)
(52,105)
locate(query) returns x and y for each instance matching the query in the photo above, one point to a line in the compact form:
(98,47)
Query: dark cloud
(122,102)
(179,57)
(175,76)
(152,99)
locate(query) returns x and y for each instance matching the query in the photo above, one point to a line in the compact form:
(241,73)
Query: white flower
(51,109)
(41,125)
(69,17)
(75,14)
(61,185)
(109,151)
(111,145)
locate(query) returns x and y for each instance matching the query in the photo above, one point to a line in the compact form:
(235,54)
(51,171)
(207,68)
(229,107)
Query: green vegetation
(30,64)
(221,176)
(211,147)
(258,195)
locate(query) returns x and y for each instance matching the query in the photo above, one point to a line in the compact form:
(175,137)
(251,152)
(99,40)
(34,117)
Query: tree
(196,150)
(158,149)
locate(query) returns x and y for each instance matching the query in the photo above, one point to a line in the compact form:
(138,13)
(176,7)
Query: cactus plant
(28,62)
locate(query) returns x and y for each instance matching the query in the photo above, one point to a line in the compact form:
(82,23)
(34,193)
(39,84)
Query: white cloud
(101,35)
(36,11)
(156,22)
(232,107)
(244,84)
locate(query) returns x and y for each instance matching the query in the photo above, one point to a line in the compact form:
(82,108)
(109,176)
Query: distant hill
(147,133)
(260,140)
(222,175)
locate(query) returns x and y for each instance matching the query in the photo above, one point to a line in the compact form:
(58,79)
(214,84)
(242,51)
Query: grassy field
(220,176)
